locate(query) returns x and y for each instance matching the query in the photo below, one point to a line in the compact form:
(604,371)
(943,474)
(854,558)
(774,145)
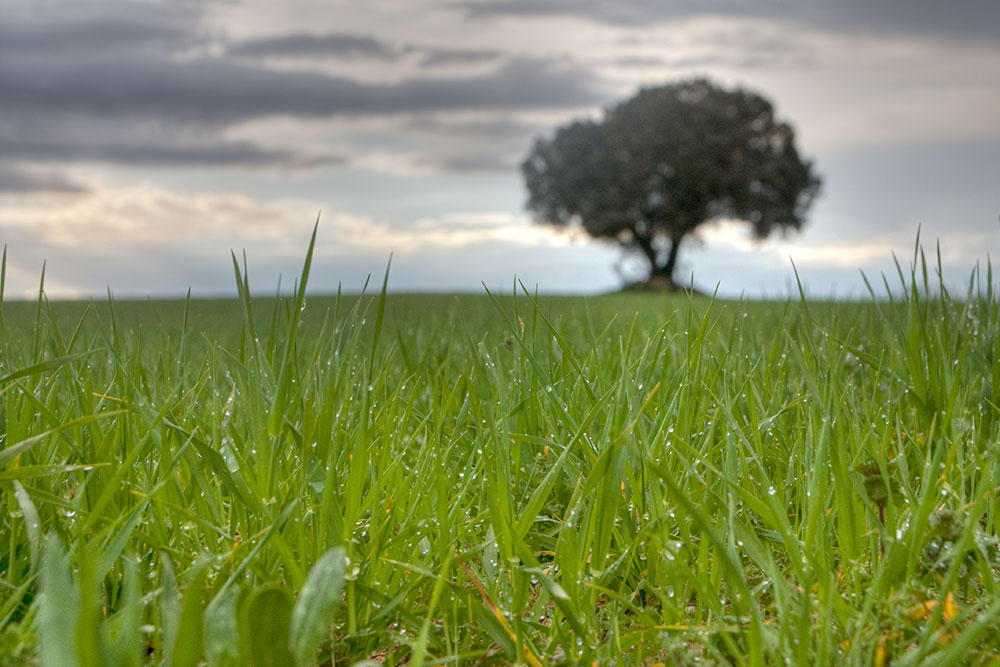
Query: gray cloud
(438,57)
(351,46)
(134,85)
(977,19)
(477,162)
(103,82)
(47,43)
(299,45)
(213,153)
(217,91)
(949,188)
(16,180)
(477,144)
(489,128)
(61,137)
(93,29)
(744,59)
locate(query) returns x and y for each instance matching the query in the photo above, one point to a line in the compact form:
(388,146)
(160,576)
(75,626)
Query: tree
(667,161)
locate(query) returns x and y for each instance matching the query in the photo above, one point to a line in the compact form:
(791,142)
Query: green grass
(429,480)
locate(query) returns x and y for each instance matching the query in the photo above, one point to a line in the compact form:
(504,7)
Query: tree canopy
(666,161)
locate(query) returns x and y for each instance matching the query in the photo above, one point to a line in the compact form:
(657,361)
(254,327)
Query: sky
(143,142)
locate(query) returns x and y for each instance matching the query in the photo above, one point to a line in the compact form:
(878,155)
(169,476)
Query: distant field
(438,479)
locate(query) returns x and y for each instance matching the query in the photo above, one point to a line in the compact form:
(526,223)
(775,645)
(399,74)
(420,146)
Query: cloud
(348,232)
(857,89)
(146,240)
(729,235)
(353,46)
(149,240)
(91,29)
(216,91)
(60,138)
(211,85)
(41,46)
(301,45)
(977,19)
(455,142)
(17,180)
(148,86)
(146,216)
(142,85)
(436,57)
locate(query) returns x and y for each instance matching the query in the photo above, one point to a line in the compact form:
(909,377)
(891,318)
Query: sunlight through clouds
(164,227)
(734,235)
(147,215)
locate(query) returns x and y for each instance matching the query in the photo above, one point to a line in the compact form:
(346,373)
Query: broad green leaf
(170,608)
(123,633)
(188,645)
(60,608)
(32,523)
(312,615)
(90,648)
(265,615)
(222,639)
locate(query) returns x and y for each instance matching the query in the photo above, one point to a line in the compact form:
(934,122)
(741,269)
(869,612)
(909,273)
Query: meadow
(627,479)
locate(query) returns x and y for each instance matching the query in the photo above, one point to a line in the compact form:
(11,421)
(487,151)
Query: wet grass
(488,479)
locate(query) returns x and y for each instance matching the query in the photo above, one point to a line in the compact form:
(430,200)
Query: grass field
(626,479)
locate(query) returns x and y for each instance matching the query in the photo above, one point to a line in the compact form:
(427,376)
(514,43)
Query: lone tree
(667,161)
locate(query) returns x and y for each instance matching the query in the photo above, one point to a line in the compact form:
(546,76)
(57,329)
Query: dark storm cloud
(61,137)
(91,38)
(14,180)
(133,84)
(438,57)
(88,29)
(148,153)
(351,46)
(977,19)
(299,45)
(42,44)
(217,91)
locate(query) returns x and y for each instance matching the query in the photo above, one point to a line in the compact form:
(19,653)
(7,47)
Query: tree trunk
(645,244)
(671,263)
(661,273)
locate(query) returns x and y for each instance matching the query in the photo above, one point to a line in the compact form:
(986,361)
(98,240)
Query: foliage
(667,161)
(480,479)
